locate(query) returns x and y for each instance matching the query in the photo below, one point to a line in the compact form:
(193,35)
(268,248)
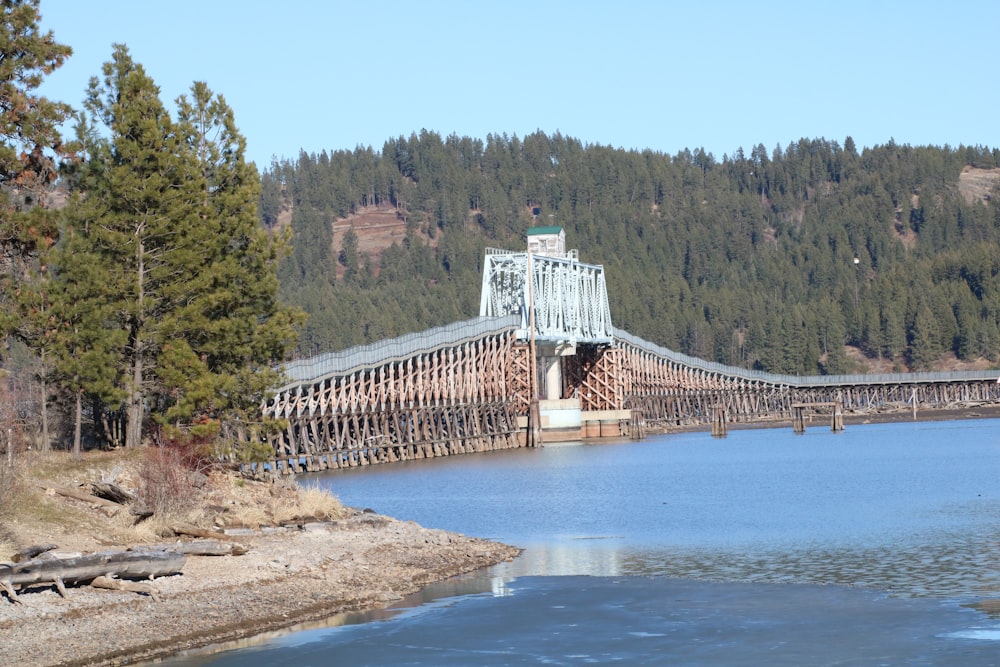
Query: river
(878,545)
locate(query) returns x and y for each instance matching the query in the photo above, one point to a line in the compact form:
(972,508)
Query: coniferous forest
(782,260)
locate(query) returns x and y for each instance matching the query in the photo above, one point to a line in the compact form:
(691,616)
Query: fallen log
(130,586)
(140,512)
(86,568)
(111,491)
(201,548)
(194,531)
(27,553)
(68,492)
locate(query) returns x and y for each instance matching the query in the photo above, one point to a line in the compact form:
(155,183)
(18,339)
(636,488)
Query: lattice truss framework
(663,390)
(570,298)
(452,400)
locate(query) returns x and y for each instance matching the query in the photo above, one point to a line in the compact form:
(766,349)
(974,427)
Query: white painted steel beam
(570,298)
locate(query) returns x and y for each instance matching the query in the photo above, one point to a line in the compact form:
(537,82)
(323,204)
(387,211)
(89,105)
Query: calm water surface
(867,547)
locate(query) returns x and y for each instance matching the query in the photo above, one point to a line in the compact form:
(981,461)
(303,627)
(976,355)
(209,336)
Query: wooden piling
(798,419)
(719,421)
(837,422)
(534,434)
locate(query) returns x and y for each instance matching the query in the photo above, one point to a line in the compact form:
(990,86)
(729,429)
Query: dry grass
(311,503)
(32,515)
(248,516)
(66,469)
(7,550)
(249,504)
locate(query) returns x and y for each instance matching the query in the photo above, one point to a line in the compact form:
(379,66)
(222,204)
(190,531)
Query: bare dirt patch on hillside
(978,184)
(377,228)
(945,363)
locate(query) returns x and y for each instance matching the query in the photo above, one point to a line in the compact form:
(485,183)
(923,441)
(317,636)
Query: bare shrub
(165,484)
(174,469)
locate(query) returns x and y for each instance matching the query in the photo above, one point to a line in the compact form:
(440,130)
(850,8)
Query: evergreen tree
(924,339)
(87,350)
(140,221)
(231,323)
(168,231)
(30,149)
(30,146)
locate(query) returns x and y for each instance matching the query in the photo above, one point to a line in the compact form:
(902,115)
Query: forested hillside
(774,260)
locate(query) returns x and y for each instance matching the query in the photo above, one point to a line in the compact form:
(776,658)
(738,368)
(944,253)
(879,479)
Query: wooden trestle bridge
(542,362)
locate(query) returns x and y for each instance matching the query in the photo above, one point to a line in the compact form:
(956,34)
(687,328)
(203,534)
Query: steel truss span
(570,298)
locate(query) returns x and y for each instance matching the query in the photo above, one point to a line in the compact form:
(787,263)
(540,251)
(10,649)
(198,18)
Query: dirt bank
(288,575)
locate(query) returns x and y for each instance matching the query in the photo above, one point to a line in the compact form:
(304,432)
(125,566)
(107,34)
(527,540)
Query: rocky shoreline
(288,576)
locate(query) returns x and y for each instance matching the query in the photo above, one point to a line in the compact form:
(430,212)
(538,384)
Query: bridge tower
(563,307)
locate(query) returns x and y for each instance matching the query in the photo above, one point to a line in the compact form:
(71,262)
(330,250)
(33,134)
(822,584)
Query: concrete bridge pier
(560,417)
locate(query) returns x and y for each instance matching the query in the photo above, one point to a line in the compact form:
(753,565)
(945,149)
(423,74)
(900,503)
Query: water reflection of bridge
(543,360)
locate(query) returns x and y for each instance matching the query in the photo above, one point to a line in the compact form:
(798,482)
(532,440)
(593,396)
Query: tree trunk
(135,409)
(83,496)
(201,548)
(111,491)
(130,564)
(77,423)
(46,445)
(194,531)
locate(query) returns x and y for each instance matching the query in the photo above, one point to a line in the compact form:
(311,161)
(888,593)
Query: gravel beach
(289,575)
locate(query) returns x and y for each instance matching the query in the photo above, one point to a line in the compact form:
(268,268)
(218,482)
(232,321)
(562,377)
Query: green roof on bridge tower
(535,231)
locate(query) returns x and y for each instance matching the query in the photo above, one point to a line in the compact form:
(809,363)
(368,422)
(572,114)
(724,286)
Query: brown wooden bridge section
(466,388)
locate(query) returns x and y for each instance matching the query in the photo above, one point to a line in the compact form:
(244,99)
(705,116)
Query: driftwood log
(86,568)
(200,548)
(120,585)
(140,512)
(109,506)
(111,491)
(194,531)
(108,497)
(110,569)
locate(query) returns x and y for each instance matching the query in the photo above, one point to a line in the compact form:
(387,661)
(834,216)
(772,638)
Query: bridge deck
(463,387)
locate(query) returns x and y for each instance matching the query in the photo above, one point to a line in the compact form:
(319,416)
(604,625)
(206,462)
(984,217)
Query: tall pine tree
(168,229)
(232,321)
(30,144)
(30,149)
(138,220)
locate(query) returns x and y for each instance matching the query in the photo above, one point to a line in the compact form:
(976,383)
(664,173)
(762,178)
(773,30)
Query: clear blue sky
(660,74)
